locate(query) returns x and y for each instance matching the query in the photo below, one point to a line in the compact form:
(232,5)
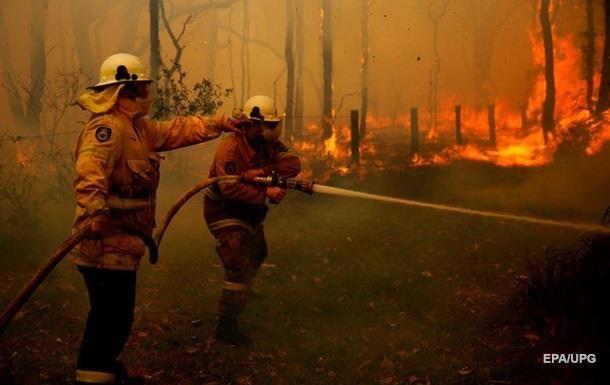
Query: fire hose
(173,210)
(310,186)
(82,233)
(273,180)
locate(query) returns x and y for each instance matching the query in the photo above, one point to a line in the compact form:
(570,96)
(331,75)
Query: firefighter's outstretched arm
(185,131)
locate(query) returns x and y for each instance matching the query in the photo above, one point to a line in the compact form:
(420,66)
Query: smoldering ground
(353,291)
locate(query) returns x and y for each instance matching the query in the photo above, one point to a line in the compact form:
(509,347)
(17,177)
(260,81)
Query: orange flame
(518,129)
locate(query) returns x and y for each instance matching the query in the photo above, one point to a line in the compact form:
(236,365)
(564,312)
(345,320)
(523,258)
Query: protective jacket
(117,169)
(232,204)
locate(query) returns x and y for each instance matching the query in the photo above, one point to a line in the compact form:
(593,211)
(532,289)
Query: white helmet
(122,68)
(261,107)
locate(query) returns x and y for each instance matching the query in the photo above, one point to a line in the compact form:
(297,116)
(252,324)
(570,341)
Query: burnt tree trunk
(155,46)
(327,69)
(590,54)
(300,71)
(364,68)
(289,56)
(603,101)
(548,108)
(434,74)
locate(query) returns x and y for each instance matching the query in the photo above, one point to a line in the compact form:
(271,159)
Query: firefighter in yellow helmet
(117,174)
(234,212)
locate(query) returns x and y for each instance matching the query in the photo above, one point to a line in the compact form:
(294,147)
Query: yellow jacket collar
(99,102)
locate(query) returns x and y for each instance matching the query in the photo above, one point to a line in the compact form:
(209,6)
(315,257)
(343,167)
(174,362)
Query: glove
(275,194)
(235,126)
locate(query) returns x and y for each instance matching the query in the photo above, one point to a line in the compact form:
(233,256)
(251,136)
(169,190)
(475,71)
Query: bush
(566,295)
(174,98)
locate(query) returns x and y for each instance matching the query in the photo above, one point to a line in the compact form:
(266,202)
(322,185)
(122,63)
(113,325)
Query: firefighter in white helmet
(234,212)
(117,174)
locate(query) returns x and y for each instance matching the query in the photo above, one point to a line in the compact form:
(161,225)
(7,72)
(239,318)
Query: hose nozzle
(275,180)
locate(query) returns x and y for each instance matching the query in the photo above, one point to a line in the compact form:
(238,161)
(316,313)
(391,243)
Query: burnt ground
(353,292)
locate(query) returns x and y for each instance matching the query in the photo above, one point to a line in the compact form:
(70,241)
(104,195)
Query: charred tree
(590,54)
(290,70)
(327,69)
(364,66)
(300,71)
(548,108)
(603,101)
(155,46)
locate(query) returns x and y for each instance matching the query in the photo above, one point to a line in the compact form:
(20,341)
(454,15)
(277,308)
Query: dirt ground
(354,292)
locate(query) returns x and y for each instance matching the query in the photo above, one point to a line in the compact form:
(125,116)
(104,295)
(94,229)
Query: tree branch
(175,39)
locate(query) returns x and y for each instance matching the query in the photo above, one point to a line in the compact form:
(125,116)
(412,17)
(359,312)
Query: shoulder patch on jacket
(103,134)
(230,167)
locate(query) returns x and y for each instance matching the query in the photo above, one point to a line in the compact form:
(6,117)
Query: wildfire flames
(519,135)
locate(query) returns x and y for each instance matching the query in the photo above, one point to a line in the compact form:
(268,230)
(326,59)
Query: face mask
(146,102)
(271,134)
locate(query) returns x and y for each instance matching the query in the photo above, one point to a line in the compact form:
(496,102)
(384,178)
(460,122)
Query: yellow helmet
(261,107)
(122,68)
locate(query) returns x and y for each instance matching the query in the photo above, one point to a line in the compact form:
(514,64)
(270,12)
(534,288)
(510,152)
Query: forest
(497,106)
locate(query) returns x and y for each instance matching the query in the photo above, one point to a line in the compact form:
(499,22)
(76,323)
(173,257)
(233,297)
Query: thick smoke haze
(78,35)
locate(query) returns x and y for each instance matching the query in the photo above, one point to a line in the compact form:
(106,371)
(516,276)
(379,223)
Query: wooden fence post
(458,125)
(414,131)
(355,137)
(491,118)
(523,116)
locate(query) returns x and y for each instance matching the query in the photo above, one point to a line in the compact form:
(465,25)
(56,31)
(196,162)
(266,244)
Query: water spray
(311,187)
